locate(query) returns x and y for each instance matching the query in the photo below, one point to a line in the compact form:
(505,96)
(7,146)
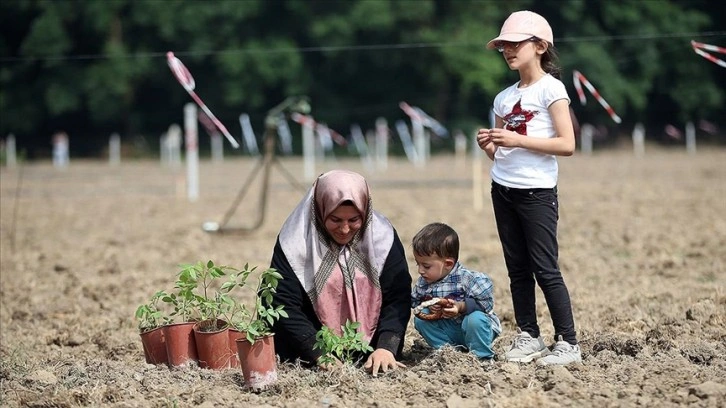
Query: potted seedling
(151,322)
(235,313)
(257,349)
(212,300)
(180,344)
(348,348)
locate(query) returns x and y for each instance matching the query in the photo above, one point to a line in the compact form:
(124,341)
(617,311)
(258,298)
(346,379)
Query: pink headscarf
(335,187)
(341,281)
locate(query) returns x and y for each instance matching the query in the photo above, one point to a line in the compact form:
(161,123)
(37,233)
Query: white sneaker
(525,348)
(562,353)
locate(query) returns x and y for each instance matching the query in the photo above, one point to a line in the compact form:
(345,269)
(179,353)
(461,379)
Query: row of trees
(94,67)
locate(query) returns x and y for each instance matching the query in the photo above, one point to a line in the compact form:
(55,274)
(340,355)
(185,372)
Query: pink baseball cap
(522,25)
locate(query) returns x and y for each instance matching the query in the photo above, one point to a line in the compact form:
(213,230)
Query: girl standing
(532,127)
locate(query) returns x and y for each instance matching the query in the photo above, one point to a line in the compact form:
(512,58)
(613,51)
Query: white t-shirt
(525,111)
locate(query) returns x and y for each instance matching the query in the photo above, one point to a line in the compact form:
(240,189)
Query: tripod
(298,104)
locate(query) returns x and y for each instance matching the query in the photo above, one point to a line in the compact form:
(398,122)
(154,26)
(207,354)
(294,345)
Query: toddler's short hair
(437,238)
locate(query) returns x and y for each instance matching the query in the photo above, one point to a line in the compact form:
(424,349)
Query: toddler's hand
(451,312)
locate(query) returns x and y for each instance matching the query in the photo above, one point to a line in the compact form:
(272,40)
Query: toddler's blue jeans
(474,332)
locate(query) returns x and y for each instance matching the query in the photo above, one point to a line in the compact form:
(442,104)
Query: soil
(641,248)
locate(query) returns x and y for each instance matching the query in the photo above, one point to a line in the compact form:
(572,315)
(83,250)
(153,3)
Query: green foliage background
(94,67)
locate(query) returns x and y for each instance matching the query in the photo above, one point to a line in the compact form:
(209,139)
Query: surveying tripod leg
(290,178)
(260,164)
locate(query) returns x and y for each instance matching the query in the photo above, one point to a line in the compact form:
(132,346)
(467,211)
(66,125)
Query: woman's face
(343,223)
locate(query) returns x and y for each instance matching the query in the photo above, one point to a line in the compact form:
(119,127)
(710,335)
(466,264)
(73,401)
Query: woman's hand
(382,359)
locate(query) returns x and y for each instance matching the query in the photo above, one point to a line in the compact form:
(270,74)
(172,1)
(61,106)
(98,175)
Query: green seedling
(346,348)
(259,322)
(150,316)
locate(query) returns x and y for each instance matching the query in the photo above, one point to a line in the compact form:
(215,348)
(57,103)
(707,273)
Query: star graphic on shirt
(516,120)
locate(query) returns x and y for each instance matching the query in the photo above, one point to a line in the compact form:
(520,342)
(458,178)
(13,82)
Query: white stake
(10,153)
(639,140)
(60,149)
(408,147)
(173,145)
(308,146)
(422,125)
(163,149)
(586,132)
(217,145)
(308,135)
(114,149)
(360,145)
(192,151)
(283,130)
(460,143)
(382,143)
(215,138)
(477,175)
(249,135)
(477,168)
(326,140)
(690,138)
(419,141)
(370,139)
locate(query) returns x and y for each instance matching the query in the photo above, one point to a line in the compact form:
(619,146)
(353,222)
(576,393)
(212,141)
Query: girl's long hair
(551,61)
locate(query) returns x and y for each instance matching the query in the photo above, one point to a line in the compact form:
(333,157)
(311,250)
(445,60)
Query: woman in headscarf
(340,261)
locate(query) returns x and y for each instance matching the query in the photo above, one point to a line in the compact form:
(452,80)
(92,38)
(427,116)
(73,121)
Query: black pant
(527,226)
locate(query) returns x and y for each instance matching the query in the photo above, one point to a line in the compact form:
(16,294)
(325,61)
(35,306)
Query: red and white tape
(410,111)
(580,79)
(303,120)
(307,120)
(207,124)
(700,47)
(186,80)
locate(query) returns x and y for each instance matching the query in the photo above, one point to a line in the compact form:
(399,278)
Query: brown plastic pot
(259,366)
(212,345)
(181,349)
(234,334)
(154,346)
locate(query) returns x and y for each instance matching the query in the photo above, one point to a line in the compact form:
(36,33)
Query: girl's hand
(485,142)
(383,360)
(483,138)
(506,138)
